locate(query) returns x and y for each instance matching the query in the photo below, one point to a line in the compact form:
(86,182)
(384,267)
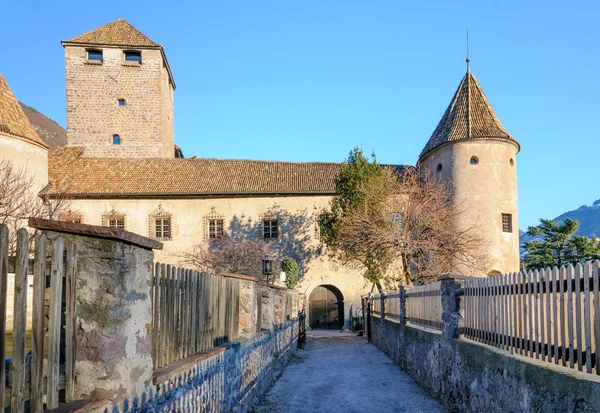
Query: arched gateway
(326,307)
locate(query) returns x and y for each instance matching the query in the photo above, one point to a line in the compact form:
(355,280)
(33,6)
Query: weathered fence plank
(3,303)
(17,401)
(70,317)
(37,324)
(54,323)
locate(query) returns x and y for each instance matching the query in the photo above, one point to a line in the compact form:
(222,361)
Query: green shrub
(292,272)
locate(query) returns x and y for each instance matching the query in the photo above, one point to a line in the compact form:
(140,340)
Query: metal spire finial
(468,58)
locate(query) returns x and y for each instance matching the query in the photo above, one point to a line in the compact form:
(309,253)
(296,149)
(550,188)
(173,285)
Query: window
(162,228)
(160,225)
(72,216)
(133,56)
(95,56)
(121,102)
(474,160)
(439,167)
(116,140)
(113,219)
(215,228)
(270,228)
(396,218)
(512,162)
(507,223)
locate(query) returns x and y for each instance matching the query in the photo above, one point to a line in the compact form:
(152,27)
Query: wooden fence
(31,381)
(552,314)
(424,305)
(192,312)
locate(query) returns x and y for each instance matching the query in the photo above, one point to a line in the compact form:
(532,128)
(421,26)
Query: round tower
(471,150)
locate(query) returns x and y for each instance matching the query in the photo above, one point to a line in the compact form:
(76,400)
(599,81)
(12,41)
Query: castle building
(470,149)
(19,142)
(120,169)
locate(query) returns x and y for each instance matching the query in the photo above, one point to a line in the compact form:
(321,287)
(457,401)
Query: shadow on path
(343,373)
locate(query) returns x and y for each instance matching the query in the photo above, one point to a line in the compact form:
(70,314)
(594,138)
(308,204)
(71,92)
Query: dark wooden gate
(326,307)
(301,328)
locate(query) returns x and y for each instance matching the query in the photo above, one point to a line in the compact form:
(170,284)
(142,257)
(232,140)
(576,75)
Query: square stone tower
(119,94)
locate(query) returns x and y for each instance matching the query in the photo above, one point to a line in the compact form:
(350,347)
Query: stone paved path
(344,374)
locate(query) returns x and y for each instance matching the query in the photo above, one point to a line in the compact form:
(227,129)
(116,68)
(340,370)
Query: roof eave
(46,191)
(443,145)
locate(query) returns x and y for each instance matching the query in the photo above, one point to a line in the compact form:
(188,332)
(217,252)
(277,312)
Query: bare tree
(405,231)
(19,200)
(227,254)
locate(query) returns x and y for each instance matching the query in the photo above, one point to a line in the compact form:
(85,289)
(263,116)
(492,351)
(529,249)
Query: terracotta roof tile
(13,120)
(76,175)
(468,117)
(117,33)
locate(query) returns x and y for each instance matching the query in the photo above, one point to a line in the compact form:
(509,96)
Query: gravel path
(344,374)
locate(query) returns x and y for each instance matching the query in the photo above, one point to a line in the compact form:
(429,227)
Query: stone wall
(471,377)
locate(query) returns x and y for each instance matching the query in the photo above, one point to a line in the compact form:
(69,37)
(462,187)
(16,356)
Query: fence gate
(301,328)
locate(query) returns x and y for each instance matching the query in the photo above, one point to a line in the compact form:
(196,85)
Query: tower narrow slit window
(121,102)
(116,140)
(507,223)
(270,228)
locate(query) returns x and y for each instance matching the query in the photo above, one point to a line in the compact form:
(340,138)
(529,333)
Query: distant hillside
(588,217)
(51,132)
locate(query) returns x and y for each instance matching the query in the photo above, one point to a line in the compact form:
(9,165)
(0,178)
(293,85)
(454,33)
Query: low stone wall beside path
(468,376)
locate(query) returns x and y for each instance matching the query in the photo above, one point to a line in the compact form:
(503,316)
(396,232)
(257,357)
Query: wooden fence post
(3,288)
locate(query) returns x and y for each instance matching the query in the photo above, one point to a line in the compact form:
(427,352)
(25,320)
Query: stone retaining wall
(228,378)
(471,377)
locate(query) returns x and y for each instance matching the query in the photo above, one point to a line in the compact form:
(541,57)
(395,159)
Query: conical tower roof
(468,117)
(117,33)
(13,120)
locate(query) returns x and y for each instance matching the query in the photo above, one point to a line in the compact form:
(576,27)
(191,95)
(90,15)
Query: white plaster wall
(484,191)
(188,229)
(31,157)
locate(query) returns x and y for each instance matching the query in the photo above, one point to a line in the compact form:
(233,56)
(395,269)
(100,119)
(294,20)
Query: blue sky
(308,80)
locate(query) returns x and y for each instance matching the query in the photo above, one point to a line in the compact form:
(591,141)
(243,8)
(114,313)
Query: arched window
(474,160)
(116,140)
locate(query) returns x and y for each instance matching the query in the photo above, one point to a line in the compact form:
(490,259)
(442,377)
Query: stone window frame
(507,224)
(211,226)
(75,217)
(114,216)
(94,61)
(160,214)
(132,62)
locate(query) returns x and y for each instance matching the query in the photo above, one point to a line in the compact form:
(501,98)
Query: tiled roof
(71,173)
(13,120)
(117,33)
(468,117)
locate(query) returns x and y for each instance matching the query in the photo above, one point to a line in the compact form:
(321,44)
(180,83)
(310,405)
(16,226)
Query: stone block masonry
(468,376)
(144,123)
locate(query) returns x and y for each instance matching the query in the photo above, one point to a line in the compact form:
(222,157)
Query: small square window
(215,229)
(507,223)
(133,56)
(270,229)
(396,218)
(116,140)
(118,223)
(162,228)
(121,102)
(95,55)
